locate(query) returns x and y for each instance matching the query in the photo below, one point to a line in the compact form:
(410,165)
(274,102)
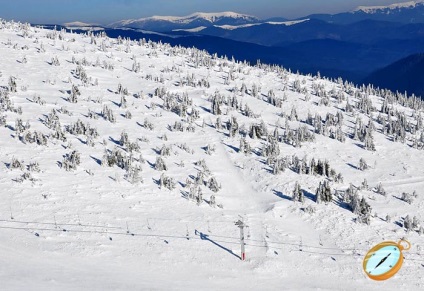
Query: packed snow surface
(81,115)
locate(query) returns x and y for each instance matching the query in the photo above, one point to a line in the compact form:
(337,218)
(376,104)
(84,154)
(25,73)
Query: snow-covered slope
(403,12)
(169,23)
(87,123)
(78,24)
(388,9)
(285,23)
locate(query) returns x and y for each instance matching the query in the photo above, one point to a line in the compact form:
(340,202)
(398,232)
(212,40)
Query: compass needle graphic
(384,260)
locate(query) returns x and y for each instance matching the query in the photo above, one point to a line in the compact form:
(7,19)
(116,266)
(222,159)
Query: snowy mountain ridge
(389,8)
(233,27)
(79,24)
(126,164)
(190,20)
(285,23)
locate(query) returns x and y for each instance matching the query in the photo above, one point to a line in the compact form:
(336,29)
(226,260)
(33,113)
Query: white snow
(73,231)
(396,6)
(210,17)
(196,29)
(285,23)
(79,24)
(288,23)
(232,27)
(86,28)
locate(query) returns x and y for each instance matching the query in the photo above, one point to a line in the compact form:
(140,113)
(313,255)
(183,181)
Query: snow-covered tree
(380,189)
(71,161)
(408,223)
(407,197)
(232,126)
(323,193)
(244,146)
(160,164)
(75,93)
(212,201)
(213,185)
(107,114)
(363,164)
(12,84)
(298,195)
(167,182)
(199,197)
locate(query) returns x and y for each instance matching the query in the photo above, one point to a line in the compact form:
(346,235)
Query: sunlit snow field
(91,229)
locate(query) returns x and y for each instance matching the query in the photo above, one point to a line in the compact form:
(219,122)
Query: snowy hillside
(124,165)
(285,23)
(232,27)
(77,25)
(169,23)
(390,8)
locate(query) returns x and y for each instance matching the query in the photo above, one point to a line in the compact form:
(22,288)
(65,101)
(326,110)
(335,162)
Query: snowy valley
(124,165)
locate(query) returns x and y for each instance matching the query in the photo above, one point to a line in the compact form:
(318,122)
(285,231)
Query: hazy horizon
(108,11)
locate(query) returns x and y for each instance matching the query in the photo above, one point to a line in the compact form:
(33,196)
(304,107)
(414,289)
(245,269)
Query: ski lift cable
(250,242)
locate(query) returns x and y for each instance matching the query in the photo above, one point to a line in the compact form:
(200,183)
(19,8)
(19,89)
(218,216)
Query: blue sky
(107,11)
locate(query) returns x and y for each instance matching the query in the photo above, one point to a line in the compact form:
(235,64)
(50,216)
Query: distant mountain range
(407,12)
(404,75)
(169,23)
(352,44)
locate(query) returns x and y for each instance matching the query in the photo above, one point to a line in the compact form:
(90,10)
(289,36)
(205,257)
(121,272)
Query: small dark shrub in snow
(380,190)
(323,193)
(2,120)
(133,175)
(165,151)
(71,161)
(199,197)
(298,195)
(33,167)
(310,209)
(107,114)
(34,137)
(116,157)
(407,223)
(212,201)
(407,197)
(359,206)
(213,184)
(244,146)
(148,125)
(75,93)
(166,182)
(16,164)
(160,164)
(12,84)
(362,165)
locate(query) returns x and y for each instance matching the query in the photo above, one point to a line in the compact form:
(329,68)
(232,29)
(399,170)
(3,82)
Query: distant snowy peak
(216,17)
(210,17)
(168,23)
(79,24)
(389,8)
